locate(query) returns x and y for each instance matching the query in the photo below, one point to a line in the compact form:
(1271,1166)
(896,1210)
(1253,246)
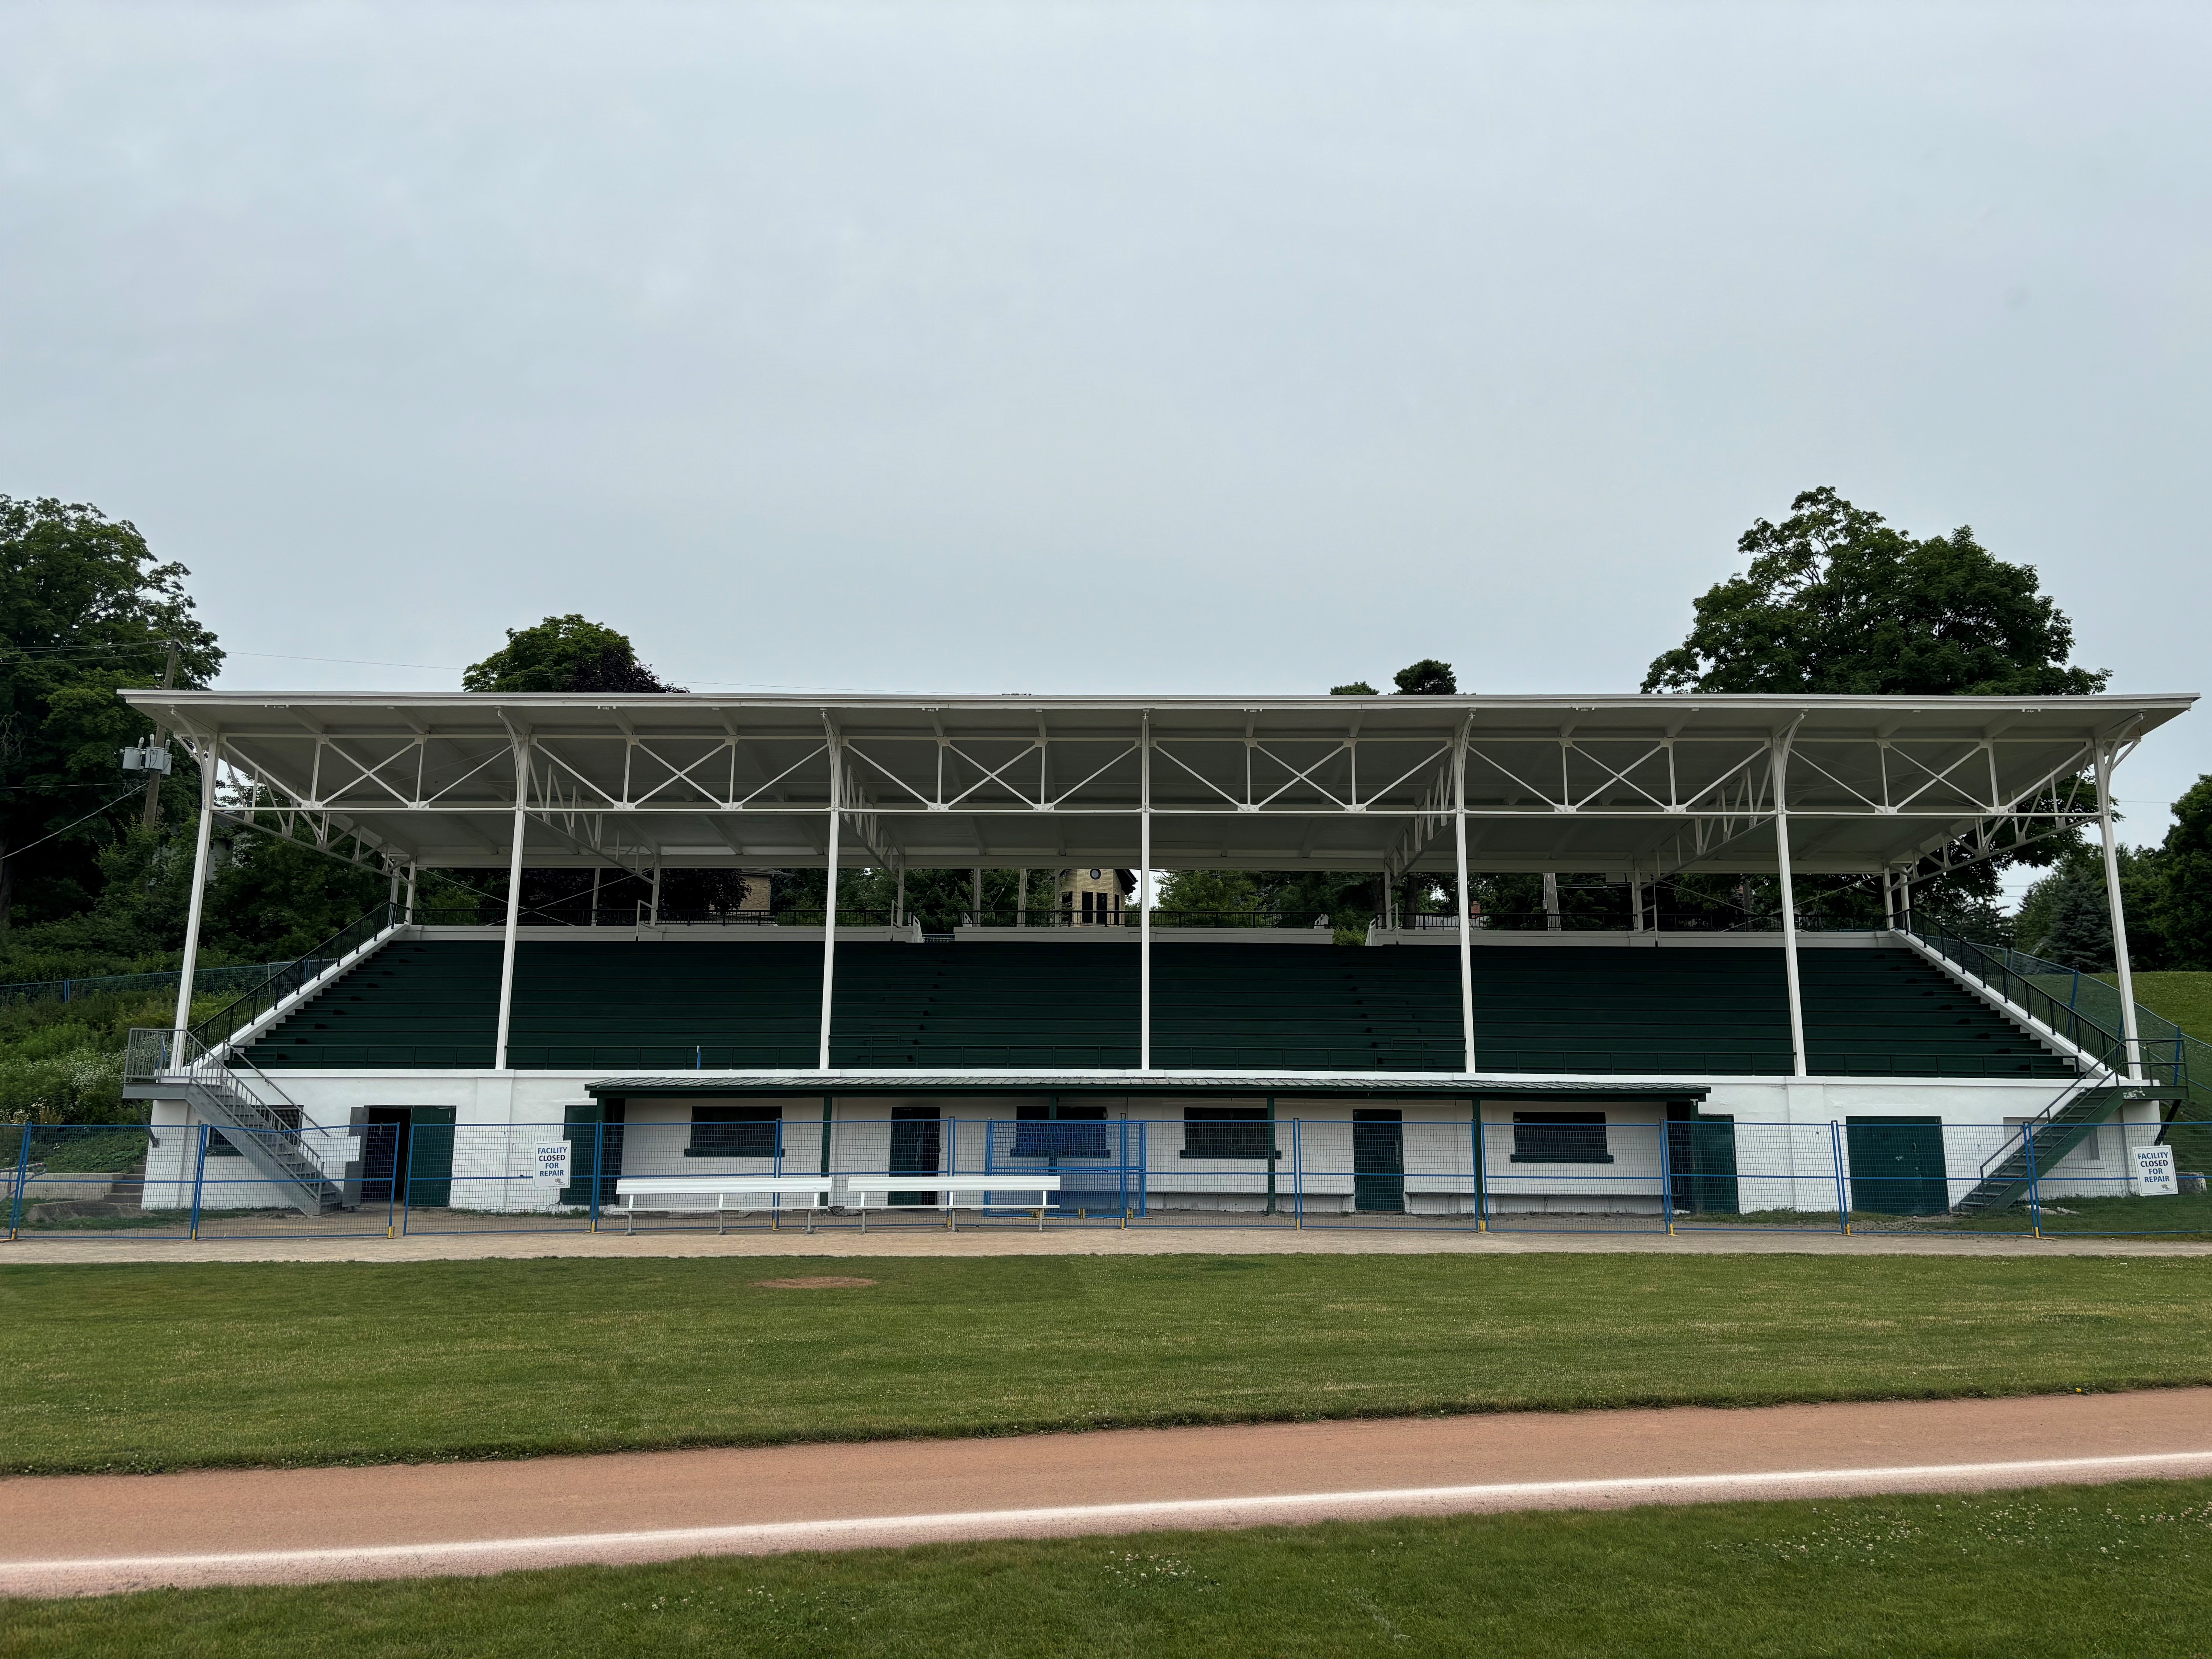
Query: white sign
(550,1163)
(2155,1171)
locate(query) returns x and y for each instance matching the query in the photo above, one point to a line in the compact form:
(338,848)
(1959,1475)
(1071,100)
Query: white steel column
(830,905)
(1889,898)
(898,903)
(513,899)
(1466,942)
(1551,900)
(2125,975)
(1636,900)
(411,873)
(1021,899)
(1789,907)
(190,966)
(654,912)
(975,895)
(1145,900)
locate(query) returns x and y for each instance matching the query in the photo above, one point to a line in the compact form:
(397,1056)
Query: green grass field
(2085,1572)
(130,1367)
(2184,997)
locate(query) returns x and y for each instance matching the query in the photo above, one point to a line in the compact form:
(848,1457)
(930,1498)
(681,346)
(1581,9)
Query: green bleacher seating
(1067,1006)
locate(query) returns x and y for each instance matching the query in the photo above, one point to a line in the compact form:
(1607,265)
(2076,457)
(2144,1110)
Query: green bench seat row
(752,1003)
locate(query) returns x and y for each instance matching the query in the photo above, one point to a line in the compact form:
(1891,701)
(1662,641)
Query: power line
(13,851)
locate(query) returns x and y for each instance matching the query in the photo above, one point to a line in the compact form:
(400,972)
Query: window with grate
(734,1130)
(1560,1137)
(1226,1132)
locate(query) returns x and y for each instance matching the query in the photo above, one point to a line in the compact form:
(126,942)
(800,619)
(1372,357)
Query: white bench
(723,1193)
(950,1194)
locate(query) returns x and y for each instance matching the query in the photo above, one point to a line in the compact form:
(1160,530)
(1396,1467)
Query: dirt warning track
(97,1535)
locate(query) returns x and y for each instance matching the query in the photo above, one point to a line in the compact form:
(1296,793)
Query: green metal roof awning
(1125,1083)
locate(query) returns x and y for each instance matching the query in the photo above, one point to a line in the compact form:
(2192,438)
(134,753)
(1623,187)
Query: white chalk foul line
(370,1560)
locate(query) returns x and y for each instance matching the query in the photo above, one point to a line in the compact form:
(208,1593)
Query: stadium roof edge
(1650,783)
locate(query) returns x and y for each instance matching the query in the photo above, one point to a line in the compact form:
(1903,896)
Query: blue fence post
(407,1198)
(2034,1192)
(22,1174)
(1121,1170)
(599,1152)
(1144,1168)
(1842,1193)
(1666,1179)
(391,1183)
(199,1176)
(1481,1173)
(1297,1178)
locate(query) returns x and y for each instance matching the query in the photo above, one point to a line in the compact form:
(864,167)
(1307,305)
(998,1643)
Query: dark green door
(1701,1162)
(592,1129)
(430,1156)
(1378,1161)
(1897,1165)
(916,1143)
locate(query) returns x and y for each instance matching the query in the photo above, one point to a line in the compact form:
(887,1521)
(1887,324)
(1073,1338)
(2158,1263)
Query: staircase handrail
(2192,1054)
(2087,1084)
(2100,1045)
(226,1021)
(163,1055)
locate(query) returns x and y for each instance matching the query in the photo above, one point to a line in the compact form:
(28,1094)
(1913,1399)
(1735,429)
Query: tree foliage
(564,653)
(1835,600)
(85,609)
(2181,908)
(1427,678)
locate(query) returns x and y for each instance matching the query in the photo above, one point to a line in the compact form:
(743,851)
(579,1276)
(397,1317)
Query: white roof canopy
(1655,784)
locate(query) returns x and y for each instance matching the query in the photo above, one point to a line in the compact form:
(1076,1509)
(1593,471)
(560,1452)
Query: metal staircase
(2110,1077)
(2014,1167)
(236,1096)
(208,1068)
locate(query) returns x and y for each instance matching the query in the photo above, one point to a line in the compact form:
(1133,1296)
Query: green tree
(1836,601)
(85,609)
(1213,897)
(1427,678)
(274,898)
(2065,919)
(2182,908)
(564,653)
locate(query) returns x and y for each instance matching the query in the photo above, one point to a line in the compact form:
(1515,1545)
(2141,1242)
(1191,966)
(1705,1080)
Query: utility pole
(160,741)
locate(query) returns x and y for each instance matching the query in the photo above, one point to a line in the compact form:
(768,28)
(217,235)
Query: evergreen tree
(2181,909)
(2074,922)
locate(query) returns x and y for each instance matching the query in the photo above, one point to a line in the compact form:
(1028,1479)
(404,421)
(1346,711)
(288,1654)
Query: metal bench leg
(630,1219)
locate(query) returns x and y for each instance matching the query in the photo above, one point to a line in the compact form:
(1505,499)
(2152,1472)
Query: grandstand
(1462,1070)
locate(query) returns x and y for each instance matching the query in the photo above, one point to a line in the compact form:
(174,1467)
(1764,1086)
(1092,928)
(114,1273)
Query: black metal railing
(2163,1059)
(291,977)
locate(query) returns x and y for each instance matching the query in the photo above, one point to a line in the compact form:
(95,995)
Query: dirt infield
(1073,1241)
(92,1534)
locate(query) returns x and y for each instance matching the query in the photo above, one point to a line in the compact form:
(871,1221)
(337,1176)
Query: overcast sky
(1112,348)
